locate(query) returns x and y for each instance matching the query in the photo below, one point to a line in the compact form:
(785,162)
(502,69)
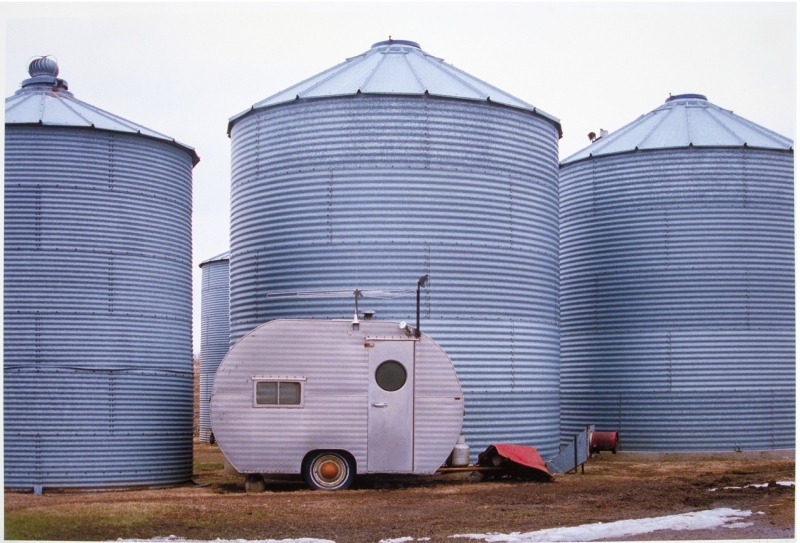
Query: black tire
(329,470)
(254,482)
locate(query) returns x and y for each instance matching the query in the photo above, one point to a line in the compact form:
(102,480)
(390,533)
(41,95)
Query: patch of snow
(699,520)
(397,540)
(762,485)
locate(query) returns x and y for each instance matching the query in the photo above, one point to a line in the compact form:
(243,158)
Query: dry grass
(612,488)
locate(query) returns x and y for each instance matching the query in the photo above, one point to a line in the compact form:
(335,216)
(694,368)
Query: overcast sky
(184,69)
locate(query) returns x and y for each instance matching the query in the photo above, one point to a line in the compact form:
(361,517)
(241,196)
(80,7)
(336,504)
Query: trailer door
(390,441)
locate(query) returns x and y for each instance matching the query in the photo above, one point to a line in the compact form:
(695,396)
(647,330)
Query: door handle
(379,405)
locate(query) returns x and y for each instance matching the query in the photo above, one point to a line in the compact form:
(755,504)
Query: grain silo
(392,165)
(677,283)
(98,299)
(214,331)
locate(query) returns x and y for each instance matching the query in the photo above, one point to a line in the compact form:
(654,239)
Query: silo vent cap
(44,74)
(390,41)
(686,97)
(43,66)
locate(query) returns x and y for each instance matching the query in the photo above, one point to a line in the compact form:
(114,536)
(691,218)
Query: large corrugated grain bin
(390,166)
(98,301)
(677,283)
(214,331)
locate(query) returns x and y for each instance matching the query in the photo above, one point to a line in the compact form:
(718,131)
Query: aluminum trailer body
(371,396)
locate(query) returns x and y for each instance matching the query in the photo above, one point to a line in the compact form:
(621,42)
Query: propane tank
(461,453)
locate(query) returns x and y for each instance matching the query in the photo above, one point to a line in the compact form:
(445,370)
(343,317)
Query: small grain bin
(98,299)
(215,331)
(677,283)
(392,165)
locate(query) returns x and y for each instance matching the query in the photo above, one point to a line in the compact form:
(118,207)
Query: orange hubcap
(329,470)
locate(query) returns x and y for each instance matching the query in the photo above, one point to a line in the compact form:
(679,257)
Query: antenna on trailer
(378,294)
(387,294)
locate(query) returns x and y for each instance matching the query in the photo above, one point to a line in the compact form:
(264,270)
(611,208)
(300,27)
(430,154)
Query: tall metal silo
(98,300)
(215,330)
(677,283)
(391,165)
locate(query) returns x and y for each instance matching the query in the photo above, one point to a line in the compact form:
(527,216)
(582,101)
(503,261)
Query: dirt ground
(613,487)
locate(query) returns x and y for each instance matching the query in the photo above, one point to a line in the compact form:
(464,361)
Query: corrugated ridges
(37,281)
(94,428)
(653,420)
(458,291)
(215,331)
(677,298)
(97,284)
(374,191)
(518,417)
(428,125)
(732,360)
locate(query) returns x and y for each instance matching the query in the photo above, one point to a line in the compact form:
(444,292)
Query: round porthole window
(390,375)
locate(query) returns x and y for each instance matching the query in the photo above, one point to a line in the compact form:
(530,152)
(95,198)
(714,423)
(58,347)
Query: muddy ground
(613,487)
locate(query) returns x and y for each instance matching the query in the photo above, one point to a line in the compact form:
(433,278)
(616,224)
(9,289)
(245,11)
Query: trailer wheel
(329,470)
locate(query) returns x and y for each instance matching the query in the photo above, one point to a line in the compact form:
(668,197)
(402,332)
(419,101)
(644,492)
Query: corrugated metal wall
(97,334)
(677,298)
(214,333)
(375,191)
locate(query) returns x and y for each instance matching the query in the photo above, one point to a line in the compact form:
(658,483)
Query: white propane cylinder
(461,453)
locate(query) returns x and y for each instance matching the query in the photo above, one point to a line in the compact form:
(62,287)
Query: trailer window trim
(300,381)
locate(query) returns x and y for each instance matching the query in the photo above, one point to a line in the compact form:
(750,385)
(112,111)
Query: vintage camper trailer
(332,398)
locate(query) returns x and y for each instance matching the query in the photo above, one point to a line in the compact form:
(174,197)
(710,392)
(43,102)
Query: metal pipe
(421,283)
(575,450)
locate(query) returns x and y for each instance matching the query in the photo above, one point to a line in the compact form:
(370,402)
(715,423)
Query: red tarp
(519,460)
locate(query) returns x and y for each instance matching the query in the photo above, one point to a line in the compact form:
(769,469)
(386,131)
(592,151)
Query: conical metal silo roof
(395,67)
(685,120)
(44,99)
(220,257)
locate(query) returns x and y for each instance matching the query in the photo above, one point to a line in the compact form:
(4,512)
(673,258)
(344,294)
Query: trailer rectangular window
(277,392)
